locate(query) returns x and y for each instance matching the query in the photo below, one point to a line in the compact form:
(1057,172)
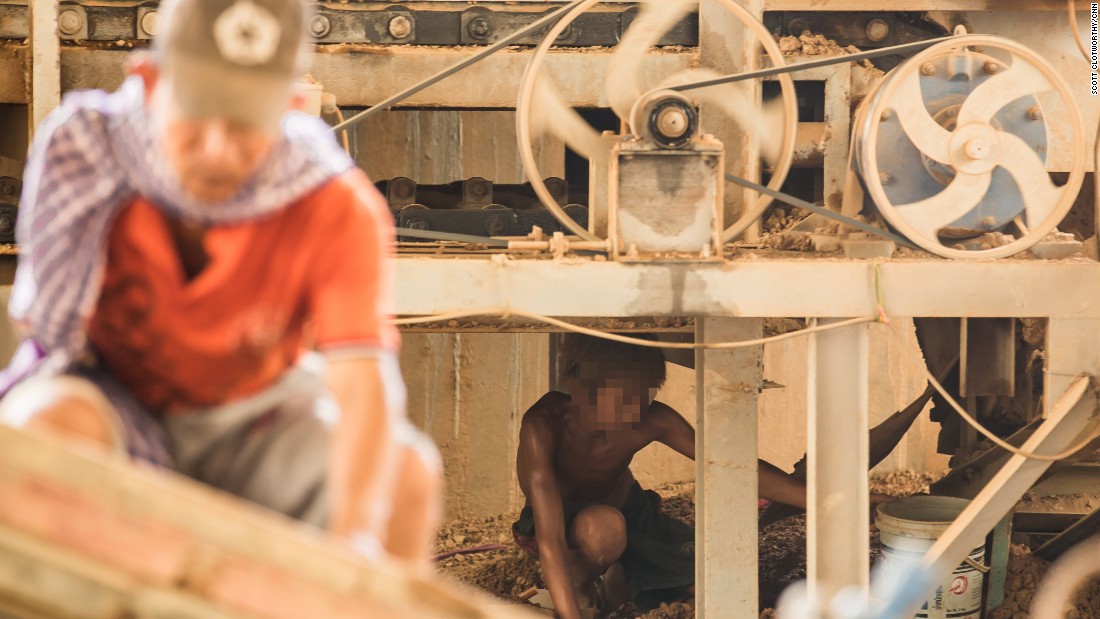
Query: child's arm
(779,487)
(774,485)
(536,446)
(671,429)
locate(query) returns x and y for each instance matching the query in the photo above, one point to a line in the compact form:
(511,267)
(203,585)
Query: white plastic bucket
(908,527)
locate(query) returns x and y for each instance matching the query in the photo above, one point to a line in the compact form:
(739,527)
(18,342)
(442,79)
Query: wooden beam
(136,536)
(45,60)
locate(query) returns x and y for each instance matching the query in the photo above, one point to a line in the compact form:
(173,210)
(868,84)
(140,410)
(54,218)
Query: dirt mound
(1025,573)
(680,610)
(903,483)
(808,44)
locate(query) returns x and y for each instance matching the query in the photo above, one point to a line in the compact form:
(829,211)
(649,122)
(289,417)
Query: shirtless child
(585,512)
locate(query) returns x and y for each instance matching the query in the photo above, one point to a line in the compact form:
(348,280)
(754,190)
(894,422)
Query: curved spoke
(1040,193)
(1019,80)
(928,216)
(926,134)
(654,20)
(550,113)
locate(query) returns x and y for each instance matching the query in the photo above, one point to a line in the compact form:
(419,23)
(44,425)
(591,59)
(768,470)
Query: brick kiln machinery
(931,142)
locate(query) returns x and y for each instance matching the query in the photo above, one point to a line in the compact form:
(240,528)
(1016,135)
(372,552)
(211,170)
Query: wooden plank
(40,579)
(209,544)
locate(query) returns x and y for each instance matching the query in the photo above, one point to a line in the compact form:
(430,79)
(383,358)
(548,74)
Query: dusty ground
(507,572)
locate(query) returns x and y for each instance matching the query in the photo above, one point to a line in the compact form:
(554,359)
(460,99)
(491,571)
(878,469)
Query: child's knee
(599,532)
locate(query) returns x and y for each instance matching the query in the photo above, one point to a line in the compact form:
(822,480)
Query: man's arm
(536,446)
(363,457)
(774,485)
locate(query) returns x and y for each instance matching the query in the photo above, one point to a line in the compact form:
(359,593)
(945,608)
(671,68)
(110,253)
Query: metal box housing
(666,201)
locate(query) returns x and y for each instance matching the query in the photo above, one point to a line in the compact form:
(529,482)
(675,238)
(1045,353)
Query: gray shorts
(270,448)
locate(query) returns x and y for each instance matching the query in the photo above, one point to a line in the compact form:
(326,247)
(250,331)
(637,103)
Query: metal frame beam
(748,287)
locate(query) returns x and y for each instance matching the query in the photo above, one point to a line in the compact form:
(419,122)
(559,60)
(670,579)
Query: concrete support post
(45,61)
(837,540)
(726,46)
(728,384)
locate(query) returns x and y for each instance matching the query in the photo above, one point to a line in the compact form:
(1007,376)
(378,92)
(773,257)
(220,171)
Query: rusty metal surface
(389,23)
(1082,529)
(491,83)
(988,357)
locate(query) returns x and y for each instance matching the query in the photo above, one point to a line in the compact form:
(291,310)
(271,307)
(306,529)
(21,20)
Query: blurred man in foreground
(184,242)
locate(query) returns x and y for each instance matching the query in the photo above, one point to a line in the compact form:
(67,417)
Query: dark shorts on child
(660,550)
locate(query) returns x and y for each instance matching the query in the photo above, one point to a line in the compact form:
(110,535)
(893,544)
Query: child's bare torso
(588,470)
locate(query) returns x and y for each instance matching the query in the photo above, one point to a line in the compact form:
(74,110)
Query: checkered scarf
(92,157)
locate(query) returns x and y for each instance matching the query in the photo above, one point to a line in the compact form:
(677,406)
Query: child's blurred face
(614,401)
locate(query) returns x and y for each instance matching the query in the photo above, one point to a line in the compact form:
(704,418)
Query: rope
(974,423)
(568,326)
(879,303)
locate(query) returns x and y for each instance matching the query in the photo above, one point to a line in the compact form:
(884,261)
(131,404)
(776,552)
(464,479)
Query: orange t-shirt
(313,274)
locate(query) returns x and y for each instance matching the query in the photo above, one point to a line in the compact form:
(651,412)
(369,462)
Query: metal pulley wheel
(954,142)
(661,118)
